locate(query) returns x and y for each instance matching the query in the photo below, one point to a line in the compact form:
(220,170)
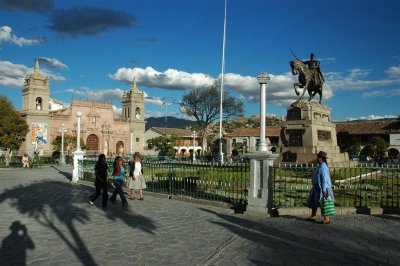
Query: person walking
(100,182)
(118,180)
(136,180)
(321,189)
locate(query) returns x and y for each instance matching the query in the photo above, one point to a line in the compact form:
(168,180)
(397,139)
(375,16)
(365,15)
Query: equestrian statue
(310,79)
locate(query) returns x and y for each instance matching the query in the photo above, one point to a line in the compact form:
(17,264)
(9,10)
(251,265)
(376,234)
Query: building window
(137,139)
(233,141)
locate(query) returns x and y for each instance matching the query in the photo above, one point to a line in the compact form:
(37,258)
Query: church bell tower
(133,111)
(35,109)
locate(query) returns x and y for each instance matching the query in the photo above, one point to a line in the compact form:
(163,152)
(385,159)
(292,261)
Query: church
(101,129)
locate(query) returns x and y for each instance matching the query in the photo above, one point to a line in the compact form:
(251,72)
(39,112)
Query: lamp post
(78,137)
(194,141)
(63,130)
(131,146)
(78,154)
(262,79)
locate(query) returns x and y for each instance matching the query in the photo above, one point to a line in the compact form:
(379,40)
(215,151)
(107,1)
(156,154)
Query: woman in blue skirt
(321,189)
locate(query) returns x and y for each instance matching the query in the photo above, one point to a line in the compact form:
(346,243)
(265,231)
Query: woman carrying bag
(321,194)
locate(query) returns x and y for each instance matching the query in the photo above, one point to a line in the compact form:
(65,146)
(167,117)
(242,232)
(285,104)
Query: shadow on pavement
(309,241)
(14,246)
(47,200)
(68,175)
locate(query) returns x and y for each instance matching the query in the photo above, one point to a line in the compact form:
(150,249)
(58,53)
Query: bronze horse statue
(306,80)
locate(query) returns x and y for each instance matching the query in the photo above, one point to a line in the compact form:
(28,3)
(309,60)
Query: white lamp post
(63,130)
(78,137)
(78,154)
(131,146)
(262,79)
(194,141)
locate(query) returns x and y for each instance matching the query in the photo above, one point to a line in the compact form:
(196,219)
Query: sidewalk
(63,229)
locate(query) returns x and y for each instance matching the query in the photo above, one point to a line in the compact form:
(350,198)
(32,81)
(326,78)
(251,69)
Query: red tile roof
(381,126)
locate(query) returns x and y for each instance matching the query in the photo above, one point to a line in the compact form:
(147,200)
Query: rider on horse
(313,65)
(310,79)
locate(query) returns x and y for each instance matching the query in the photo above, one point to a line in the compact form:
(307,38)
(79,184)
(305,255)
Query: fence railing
(225,183)
(359,186)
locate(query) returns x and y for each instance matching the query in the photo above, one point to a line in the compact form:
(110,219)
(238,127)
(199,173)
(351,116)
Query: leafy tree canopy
(13,128)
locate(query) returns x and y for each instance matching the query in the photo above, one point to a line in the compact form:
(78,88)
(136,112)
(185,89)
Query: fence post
(260,197)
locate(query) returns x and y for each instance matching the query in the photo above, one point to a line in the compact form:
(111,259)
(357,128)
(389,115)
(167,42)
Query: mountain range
(172,122)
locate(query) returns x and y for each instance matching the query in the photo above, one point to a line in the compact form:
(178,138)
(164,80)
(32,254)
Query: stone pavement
(63,229)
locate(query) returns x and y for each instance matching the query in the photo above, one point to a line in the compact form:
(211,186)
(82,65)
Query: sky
(93,49)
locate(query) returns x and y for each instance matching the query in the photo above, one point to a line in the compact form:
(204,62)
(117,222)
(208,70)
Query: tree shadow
(305,240)
(68,175)
(52,203)
(14,246)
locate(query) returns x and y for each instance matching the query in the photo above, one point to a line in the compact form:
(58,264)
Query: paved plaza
(63,229)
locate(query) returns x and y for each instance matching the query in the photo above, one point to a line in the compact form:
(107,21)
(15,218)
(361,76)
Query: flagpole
(221,155)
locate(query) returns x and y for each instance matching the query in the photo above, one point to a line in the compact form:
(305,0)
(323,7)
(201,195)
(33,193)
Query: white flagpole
(221,155)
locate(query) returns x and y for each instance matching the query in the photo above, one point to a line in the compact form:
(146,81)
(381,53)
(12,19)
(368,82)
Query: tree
(377,148)
(13,128)
(163,145)
(204,105)
(69,141)
(380,146)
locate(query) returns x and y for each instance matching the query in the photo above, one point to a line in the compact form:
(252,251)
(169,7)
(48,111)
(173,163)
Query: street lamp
(78,137)
(262,79)
(78,154)
(131,146)
(63,130)
(194,141)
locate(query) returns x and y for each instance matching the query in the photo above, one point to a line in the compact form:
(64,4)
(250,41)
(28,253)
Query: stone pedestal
(78,155)
(260,197)
(308,130)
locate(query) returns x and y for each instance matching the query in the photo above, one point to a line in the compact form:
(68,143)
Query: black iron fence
(358,186)
(225,183)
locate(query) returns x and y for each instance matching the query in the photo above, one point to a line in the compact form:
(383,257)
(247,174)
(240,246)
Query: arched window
(92,142)
(137,112)
(38,103)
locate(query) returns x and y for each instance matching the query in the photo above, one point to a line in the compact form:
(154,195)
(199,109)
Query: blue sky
(92,49)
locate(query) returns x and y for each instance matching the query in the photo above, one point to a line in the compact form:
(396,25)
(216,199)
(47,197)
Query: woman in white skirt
(136,180)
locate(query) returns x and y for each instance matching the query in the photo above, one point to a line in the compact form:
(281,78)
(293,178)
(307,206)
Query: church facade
(101,129)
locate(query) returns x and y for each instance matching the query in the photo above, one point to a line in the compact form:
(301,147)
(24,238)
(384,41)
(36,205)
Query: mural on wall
(39,133)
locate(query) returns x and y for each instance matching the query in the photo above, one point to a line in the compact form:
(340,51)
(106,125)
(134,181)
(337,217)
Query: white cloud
(393,72)
(381,93)
(117,110)
(355,79)
(7,36)
(370,117)
(279,90)
(171,79)
(52,62)
(99,95)
(13,75)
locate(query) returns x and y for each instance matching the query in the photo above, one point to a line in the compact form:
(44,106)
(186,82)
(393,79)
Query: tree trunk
(7,156)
